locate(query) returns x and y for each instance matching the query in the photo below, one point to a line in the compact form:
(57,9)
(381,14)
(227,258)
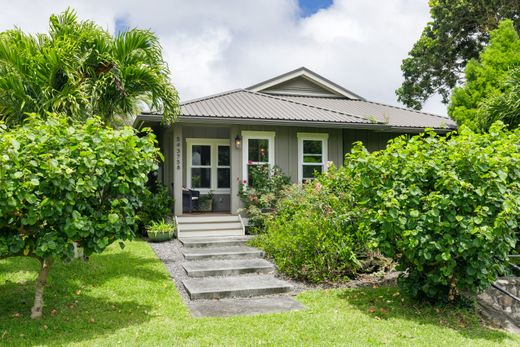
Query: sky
(213,46)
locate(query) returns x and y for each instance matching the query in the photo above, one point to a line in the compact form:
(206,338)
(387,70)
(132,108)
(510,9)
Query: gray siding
(372,140)
(300,86)
(286,152)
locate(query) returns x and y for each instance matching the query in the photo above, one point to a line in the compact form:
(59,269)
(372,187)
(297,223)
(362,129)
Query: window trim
(323,137)
(214,144)
(256,135)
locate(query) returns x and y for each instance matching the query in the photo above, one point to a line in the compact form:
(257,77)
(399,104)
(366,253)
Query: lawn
(125,297)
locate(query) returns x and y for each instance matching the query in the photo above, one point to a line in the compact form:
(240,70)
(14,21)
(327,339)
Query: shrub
(314,235)
(156,206)
(63,183)
(446,208)
(261,195)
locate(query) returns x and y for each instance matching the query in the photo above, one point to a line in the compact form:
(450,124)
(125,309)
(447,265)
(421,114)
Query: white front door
(208,165)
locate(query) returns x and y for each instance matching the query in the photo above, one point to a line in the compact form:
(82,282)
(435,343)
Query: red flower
(244,181)
(249,162)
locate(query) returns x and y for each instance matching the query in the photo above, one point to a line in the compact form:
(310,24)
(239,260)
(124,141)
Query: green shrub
(63,183)
(156,206)
(445,208)
(261,195)
(314,235)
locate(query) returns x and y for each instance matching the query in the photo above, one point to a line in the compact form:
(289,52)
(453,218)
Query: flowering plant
(261,194)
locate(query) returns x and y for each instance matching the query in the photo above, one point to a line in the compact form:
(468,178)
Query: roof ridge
(307,105)
(209,97)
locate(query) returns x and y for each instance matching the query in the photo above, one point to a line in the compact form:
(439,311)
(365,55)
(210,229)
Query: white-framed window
(208,165)
(258,149)
(312,155)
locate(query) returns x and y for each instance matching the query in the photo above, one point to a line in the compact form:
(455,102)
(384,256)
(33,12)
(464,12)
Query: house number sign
(178,151)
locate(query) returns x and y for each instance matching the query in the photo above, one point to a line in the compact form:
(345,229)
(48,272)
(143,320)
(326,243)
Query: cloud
(213,46)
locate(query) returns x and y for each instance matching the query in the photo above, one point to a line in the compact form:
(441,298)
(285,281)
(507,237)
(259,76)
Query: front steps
(205,253)
(235,286)
(209,226)
(231,278)
(227,267)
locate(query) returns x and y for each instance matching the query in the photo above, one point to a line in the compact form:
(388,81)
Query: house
(298,121)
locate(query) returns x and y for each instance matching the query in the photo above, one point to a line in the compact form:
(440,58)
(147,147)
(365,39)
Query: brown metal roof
(390,115)
(246,104)
(249,105)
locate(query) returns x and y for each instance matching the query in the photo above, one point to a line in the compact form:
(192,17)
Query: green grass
(126,297)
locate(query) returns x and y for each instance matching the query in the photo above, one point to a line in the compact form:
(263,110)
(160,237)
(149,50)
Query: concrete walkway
(227,278)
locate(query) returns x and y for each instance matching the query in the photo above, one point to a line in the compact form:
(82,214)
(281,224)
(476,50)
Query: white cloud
(213,46)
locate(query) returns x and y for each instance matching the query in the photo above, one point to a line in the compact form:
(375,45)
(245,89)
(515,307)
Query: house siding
(286,152)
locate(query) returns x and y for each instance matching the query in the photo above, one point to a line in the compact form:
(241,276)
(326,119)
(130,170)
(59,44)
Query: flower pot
(160,236)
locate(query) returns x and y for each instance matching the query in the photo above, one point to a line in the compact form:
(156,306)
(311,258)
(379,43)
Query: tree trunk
(37,309)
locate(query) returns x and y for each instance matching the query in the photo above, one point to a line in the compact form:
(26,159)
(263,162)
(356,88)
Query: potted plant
(206,202)
(160,231)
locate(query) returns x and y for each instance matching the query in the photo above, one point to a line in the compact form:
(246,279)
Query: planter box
(160,237)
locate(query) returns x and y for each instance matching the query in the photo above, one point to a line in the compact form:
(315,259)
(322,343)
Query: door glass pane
(201,177)
(312,146)
(223,180)
(223,155)
(258,150)
(309,170)
(201,155)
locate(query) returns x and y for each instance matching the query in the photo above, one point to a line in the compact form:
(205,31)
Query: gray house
(298,121)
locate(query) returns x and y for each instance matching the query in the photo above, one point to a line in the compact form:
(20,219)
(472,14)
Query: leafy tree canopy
(62,184)
(80,70)
(459,30)
(487,78)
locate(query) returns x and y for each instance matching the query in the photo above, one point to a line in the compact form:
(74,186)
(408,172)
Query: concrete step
(236,286)
(209,226)
(208,219)
(227,267)
(225,241)
(241,307)
(209,233)
(221,253)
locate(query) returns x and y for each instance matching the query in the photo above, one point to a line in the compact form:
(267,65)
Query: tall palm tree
(78,69)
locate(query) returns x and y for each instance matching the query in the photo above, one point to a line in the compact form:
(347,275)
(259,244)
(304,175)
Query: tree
(78,69)
(458,32)
(63,183)
(486,78)
(504,107)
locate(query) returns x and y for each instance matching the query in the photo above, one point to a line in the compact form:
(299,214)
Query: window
(258,150)
(209,165)
(312,155)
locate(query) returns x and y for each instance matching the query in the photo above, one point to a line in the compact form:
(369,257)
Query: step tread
(215,241)
(207,219)
(249,306)
(231,264)
(210,226)
(210,233)
(220,250)
(211,285)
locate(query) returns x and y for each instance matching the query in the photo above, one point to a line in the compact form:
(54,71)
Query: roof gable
(303,82)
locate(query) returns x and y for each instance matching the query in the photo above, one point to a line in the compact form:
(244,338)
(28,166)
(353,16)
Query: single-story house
(298,121)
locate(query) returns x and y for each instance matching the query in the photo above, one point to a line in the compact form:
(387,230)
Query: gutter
(154,118)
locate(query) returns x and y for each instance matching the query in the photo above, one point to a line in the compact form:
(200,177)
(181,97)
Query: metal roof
(386,114)
(246,104)
(242,104)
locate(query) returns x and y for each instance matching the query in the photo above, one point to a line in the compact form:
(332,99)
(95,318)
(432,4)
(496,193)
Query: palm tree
(78,69)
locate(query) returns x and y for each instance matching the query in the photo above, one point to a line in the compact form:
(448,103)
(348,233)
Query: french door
(208,165)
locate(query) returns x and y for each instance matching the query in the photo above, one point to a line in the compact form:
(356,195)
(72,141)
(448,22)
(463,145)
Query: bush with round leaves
(445,208)
(65,183)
